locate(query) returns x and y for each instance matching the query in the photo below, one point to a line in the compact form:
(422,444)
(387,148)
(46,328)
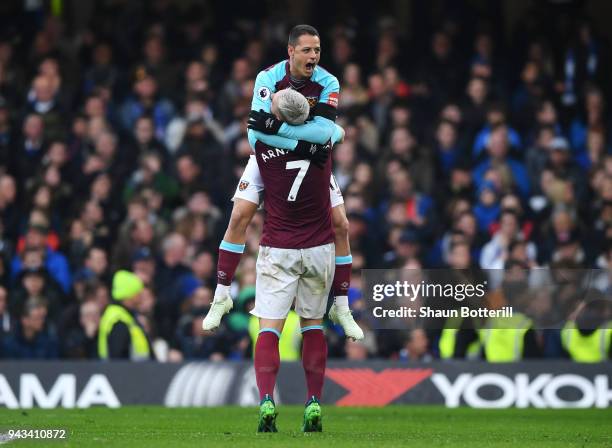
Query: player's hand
(263,122)
(318,154)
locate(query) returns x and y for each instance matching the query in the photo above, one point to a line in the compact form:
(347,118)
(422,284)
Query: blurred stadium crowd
(121,144)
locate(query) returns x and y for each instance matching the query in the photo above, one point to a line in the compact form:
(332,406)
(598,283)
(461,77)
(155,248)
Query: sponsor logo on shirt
(243,185)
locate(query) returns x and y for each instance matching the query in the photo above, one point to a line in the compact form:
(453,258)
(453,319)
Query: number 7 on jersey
(302,165)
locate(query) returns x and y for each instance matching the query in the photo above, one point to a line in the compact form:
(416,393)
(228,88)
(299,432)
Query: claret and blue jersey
(296,196)
(322,91)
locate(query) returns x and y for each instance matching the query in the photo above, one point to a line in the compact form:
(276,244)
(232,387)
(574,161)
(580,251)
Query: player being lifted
(301,73)
(296,260)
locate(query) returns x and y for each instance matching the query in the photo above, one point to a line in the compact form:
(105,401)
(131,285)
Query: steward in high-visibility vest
(120,335)
(458,341)
(459,337)
(587,345)
(509,339)
(290,340)
(587,336)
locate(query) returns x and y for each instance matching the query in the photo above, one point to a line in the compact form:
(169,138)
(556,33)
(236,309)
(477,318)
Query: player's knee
(341,225)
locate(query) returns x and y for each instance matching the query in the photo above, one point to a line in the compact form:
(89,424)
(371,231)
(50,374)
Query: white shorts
(285,274)
(251,186)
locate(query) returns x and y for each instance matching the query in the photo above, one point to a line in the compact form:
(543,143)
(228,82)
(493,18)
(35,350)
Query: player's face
(304,57)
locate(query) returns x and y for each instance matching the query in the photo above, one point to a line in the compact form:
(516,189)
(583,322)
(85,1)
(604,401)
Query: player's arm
(262,92)
(338,136)
(277,141)
(318,154)
(319,130)
(325,111)
(262,100)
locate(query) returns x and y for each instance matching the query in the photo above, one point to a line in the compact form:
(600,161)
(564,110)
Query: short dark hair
(300,30)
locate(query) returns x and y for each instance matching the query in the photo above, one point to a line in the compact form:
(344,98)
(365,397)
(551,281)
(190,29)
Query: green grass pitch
(397,426)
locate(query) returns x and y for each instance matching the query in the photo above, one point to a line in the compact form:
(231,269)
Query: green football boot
(267,415)
(313,421)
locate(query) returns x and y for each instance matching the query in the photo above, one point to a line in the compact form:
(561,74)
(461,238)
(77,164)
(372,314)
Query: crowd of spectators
(121,143)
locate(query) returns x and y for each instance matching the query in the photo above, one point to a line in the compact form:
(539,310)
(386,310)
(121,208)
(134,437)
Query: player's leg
(311,300)
(246,200)
(267,363)
(233,244)
(276,286)
(314,361)
(314,355)
(340,312)
(344,260)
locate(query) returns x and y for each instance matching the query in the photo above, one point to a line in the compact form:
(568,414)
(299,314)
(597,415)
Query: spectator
(202,146)
(32,337)
(31,149)
(82,342)
(563,167)
(354,95)
(7,323)
(355,350)
(440,71)
(498,152)
(9,208)
(496,116)
(169,274)
(42,100)
(495,252)
(54,261)
(146,101)
(34,283)
(96,262)
(145,141)
(196,109)
(102,72)
(488,208)
(448,153)
(143,265)
(416,347)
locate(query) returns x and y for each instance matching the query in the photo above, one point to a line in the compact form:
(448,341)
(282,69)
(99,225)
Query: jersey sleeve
(327,107)
(319,130)
(331,92)
(287,143)
(338,134)
(262,100)
(262,92)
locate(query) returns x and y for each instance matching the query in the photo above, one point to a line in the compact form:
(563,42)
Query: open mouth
(310,66)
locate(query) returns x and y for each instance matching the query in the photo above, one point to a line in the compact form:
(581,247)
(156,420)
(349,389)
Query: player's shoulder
(323,77)
(275,72)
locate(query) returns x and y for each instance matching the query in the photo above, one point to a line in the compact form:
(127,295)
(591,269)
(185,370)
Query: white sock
(341,302)
(222,291)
